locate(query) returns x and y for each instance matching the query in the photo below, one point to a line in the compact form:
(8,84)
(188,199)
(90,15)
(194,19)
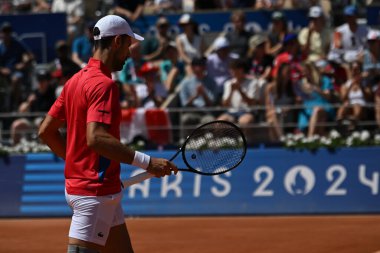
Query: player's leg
(118,239)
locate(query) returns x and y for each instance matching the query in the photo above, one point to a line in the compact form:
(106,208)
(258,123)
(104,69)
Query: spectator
(290,54)
(82,46)
(129,75)
(354,96)
(279,96)
(316,97)
(62,67)
(189,43)
(22,6)
(315,39)
(240,93)
(152,93)
(131,10)
(172,69)
(371,58)
(74,10)
(154,46)
(15,64)
(238,37)
(40,100)
(277,33)
(349,39)
(197,91)
(260,62)
(218,63)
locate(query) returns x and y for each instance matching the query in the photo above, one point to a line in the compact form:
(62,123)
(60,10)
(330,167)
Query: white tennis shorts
(93,216)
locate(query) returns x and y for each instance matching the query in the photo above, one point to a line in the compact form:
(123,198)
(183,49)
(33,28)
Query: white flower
(209,136)
(283,138)
(289,136)
(299,136)
(334,134)
(315,137)
(355,135)
(349,141)
(365,135)
(290,143)
(377,138)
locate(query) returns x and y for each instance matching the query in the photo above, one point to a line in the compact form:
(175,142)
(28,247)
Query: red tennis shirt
(89,96)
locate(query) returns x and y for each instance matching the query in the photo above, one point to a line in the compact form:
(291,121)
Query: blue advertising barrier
(39,32)
(269,181)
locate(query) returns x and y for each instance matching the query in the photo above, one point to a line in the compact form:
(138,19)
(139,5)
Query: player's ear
(118,41)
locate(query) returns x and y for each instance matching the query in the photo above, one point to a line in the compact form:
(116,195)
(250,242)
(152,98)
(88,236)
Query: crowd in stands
(292,81)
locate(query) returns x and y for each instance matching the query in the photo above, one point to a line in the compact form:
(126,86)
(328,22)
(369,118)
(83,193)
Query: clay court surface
(306,234)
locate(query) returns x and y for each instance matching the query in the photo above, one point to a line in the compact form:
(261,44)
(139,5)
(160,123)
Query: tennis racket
(211,149)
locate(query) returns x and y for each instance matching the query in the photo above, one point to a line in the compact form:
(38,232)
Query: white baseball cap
(315,12)
(221,42)
(112,25)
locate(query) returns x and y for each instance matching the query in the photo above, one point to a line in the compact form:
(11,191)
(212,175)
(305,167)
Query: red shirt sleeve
(57,110)
(100,101)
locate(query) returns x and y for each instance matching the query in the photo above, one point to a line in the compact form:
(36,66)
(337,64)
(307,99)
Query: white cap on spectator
(185,19)
(220,42)
(315,12)
(112,25)
(373,35)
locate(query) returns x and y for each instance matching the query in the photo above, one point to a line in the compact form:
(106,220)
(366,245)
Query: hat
(185,19)
(315,12)
(256,40)
(147,68)
(373,35)
(278,15)
(112,25)
(220,42)
(350,10)
(162,21)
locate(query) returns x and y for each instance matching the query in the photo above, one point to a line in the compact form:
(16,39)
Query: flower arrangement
(332,141)
(24,147)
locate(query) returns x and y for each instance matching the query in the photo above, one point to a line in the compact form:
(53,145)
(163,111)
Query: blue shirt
(10,56)
(128,74)
(83,47)
(189,89)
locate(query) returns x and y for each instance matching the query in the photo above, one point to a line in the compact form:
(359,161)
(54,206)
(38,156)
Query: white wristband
(141,160)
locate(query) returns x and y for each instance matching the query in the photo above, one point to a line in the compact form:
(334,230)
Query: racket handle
(137,179)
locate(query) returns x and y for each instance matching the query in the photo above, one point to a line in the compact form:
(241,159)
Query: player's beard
(118,64)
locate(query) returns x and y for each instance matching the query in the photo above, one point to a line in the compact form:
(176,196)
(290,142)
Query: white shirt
(353,40)
(250,87)
(191,49)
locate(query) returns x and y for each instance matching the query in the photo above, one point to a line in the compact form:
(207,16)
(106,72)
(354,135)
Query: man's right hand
(160,167)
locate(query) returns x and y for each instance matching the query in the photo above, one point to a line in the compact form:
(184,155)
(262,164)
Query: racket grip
(137,179)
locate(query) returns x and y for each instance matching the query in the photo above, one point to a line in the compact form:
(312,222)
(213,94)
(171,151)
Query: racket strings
(215,148)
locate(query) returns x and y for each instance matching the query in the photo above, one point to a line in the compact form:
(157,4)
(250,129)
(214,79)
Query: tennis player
(89,106)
